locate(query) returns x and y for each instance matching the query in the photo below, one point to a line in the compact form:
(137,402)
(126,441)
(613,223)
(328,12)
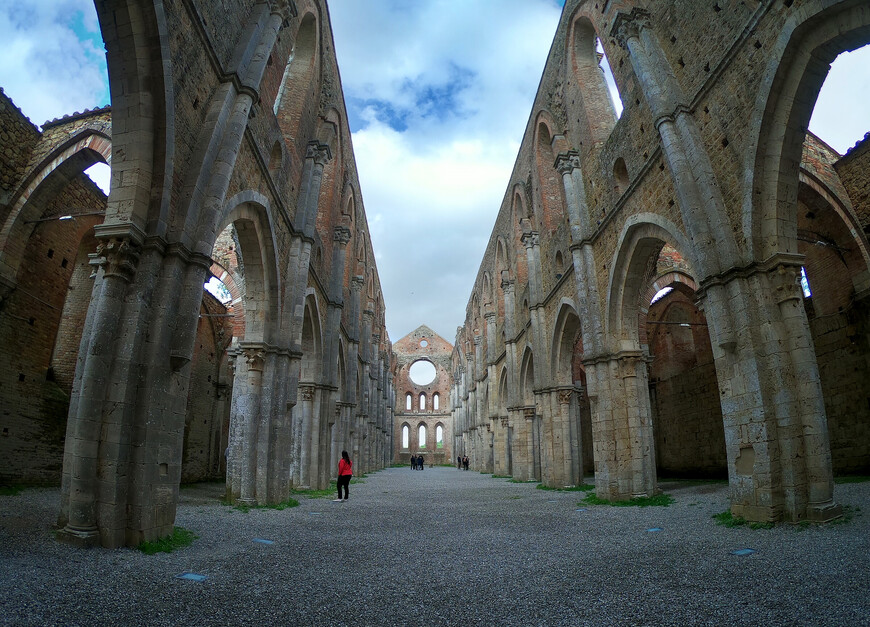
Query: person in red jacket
(345,472)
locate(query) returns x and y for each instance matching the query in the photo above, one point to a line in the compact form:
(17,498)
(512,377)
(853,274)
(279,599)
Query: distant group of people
(462,462)
(417,462)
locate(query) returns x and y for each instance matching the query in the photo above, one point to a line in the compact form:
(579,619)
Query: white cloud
(437,182)
(52,62)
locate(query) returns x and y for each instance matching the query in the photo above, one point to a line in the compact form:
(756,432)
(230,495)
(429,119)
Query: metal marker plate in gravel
(653,529)
(191,577)
(580,509)
(262,541)
(743,552)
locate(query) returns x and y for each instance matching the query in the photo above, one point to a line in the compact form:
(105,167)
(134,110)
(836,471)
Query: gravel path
(445,547)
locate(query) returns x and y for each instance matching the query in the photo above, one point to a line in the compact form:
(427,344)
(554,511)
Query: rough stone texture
(708,174)
(406,352)
(488,552)
(224,161)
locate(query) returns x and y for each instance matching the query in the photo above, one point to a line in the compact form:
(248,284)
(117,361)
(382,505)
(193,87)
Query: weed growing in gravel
(585,487)
(315,494)
(501,476)
(849,513)
(727,519)
(659,500)
(515,497)
(180,538)
(11,490)
(291,502)
(521,481)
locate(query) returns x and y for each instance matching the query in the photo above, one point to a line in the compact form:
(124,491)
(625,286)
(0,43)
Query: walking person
(413,462)
(345,472)
(459,462)
(465,462)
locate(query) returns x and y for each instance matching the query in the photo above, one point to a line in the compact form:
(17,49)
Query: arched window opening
(805,283)
(297,80)
(436,401)
(406,436)
(408,401)
(600,97)
(422,401)
(612,89)
(421,437)
(439,437)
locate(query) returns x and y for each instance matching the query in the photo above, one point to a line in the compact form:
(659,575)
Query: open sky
(438,95)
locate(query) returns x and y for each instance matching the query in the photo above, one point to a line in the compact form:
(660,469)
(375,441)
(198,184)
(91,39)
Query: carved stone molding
(306,393)
(531,239)
(565,397)
(567,162)
(786,282)
(285,8)
(628,25)
(119,257)
(319,152)
(255,358)
(341,235)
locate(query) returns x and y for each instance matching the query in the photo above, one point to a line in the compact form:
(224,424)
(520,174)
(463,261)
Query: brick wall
(34,405)
(690,436)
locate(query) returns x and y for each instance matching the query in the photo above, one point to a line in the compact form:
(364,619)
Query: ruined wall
(34,388)
(687,417)
(406,352)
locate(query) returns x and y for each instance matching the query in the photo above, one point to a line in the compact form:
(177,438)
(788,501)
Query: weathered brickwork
(707,181)
(225,162)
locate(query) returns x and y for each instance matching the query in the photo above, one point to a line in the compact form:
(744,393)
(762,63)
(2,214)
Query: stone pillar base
(825,512)
(82,538)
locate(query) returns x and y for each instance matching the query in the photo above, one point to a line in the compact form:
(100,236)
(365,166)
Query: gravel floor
(445,547)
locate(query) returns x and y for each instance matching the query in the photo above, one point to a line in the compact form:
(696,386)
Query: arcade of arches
(680,290)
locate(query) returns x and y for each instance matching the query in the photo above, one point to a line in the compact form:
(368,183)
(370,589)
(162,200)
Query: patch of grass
(316,494)
(501,476)
(849,513)
(521,481)
(180,538)
(659,500)
(727,519)
(11,490)
(852,479)
(515,497)
(584,487)
(242,507)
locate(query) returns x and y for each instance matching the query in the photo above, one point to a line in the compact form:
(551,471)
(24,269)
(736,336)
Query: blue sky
(438,95)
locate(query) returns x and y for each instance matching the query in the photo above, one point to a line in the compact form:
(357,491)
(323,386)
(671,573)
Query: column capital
(531,239)
(628,25)
(785,279)
(567,162)
(341,235)
(319,152)
(284,8)
(119,256)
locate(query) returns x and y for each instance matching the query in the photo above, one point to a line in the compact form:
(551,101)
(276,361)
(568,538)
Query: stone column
(118,260)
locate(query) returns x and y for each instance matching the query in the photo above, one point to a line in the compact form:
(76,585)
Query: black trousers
(343,481)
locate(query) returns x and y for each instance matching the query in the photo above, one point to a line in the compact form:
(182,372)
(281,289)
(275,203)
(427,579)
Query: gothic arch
(599,115)
(86,147)
(639,244)
(299,83)
(249,213)
(140,82)
(809,41)
(548,143)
